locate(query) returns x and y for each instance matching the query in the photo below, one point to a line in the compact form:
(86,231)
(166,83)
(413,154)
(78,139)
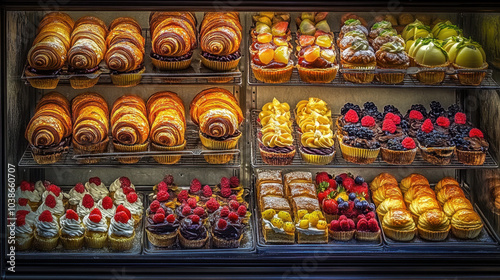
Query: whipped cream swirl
(57,210)
(121,229)
(47,229)
(71,227)
(106,213)
(97,192)
(101,226)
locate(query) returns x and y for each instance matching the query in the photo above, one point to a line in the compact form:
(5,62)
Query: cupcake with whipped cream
(76,195)
(53,205)
(46,231)
(96,188)
(85,206)
(55,191)
(28,191)
(134,204)
(96,229)
(120,183)
(120,195)
(41,186)
(121,231)
(107,208)
(24,231)
(72,231)
(22,204)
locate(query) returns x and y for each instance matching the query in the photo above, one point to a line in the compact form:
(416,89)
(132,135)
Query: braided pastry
(220,33)
(172,34)
(167,118)
(88,43)
(129,124)
(90,118)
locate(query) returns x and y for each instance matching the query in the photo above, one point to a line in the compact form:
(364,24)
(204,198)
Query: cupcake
(72,231)
(86,205)
(119,183)
(378,27)
(120,196)
(166,201)
(46,232)
(96,229)
(435,143)
(76,195)
(392,56)
(414,119)
(272,64)
(206,195)
(189,209)
(134,204)
(193,234)
(399,151)
(53,205)
(342,229)
(56,192)
(121,231)
(428,54)
(41,186)
(166,184)
(106,208)
(228,232)
(359,56)
(436,111)
(240,209)
(27,190)
(162,231)
(471,150)
(317,58)
(387,36)
(195,188)
(433,225)
(399,225)
(22,205)
(352,118)
(367,228)
(358,144)
(469,55)
(23,231)
(96,188)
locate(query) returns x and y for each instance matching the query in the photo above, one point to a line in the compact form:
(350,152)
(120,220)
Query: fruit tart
(46,231)
(436,145)
(309,23)
(162,231)
(72,231)
(345,118)
(278,227)
(428,54)
(192,233)
(311,228)
(96,229)
(316,58)
(392,56)
(359,56)
(272,64)
(227,231)
(367,228)
(121,232)
(265,21)
(342,229)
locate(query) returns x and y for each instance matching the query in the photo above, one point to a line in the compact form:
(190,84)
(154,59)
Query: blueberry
(364,203)
(359,180)
(338,179)
(340,200)
(356,200)
(358,205)
(352,196)
(346,205)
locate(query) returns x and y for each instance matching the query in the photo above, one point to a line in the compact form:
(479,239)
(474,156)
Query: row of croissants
(133,123)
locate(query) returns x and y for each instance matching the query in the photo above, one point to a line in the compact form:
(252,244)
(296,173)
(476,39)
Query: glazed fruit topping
(476,133)
(46,216)
(233,204)
(443,122)
(233,217)
(121,217)
(162,186)
(234,182)
(222,224)
(159,218)
(264,38)
(395,118)
(182,196)
(242,210)
(163,196)
(224,212)
(408,143)
(460,118)
(22,201)
(328,55)
(50,201)
(71,215)
(416,115)
(280,28)
(171,218)
(368,121)
(306,40)
(186,210)
(199,211)
(225,192)
(107,203)
(79,188)
(427,126)
(21,220)
(280,41)
(195,219)
(195,186)
(322,177)
(212,204)
(125,182)
(122,208)
(54,189)
(389,126)
(160,210)
(192,202)
(351,116)
(207,191)
(225,183)
(266,55)
(269,214)
(169,180)
(312,53)
(324,41)
(88,201)
(26,186)
(132,197)
(95,180)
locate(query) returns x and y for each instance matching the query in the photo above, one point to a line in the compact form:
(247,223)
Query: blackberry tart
(472,148)
(396,147)
(435,145)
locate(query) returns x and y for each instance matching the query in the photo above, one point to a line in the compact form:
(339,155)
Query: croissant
(220,33)
(173,34)
(51,123)
(452,205)
(382,179)
(389,204)
(88,43)
(126,24)
(434,220)
(167,118)
(217,112)
(125,45)
(56,17)
(385,191)
(423,204)
(411,180)
(90,118)
(445,181)
(418,191)
(129,124)
(448,192)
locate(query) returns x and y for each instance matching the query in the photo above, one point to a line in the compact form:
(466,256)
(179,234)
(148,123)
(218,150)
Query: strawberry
(373,225)
(107,203)
(182,196)
(222,224)
(348,183)
(122,208)
(71,215)
(224,212)
(192,202)
(95,180)
(160,210)
(50,201)
(344,225)
(125,182)
(195,219)
(54,189)
(132,197)
(330,206)
(335,225)
(199,211)
(225,192)
(332,184)
(162,187)
(343,176)
(212,204)
(159,218)
(186,210)
(370,215)
(234,182)
(233,217)
(79,188)
(207,191)
(362,225)
(121,217)
(225,183)
(322,177)
(21,221)
(233,204)
(195,186)
(154,206)
(22,201)
(162,196)
(321,197)
(242,210)
(95,218)
(169,180)
(46,216)
(171,218)
(88,201)
(96,211)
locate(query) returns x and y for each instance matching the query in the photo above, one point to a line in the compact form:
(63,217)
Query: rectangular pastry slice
(296,177)
(303,202)
(275,235)
(312,236)
(302,189)
(271,189)
(268,176)
(275,202)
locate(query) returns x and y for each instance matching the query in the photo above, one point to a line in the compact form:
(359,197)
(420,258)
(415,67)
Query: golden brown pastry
(413,179)
(88,43)
(305,203)
(302,189)
(452,205)
(386,191)
(173,34)
(129,124)
(445,181)
(271,189)
(399,225)
(422,204)
(448,192)
(466,224)
(167,118)
(125,45)
(405,19)
(90,119)
(268,176)
(389,204)
(382,179)
(433,225)
(418,191)
(275,202)
(298,177)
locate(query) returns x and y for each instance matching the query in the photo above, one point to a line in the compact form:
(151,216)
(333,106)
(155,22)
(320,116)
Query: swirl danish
(167,118)
(88,44)
(125,46)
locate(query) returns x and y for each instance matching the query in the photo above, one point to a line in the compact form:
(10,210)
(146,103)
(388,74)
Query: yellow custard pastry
(399,225)
(433,225)
(466,224)
(277,227)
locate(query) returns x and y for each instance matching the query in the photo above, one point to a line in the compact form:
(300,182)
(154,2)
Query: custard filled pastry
(389,204)
(452,205)
(392,55)
(466,224)
(359,56)
(385,191)
(381,179)
(421,205)
(433,225)
(350,25)
(448,192)
(411,180)
(399,225)
(445,181)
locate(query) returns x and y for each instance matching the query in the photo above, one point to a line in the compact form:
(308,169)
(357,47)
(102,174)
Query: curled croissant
(220,34)
(85,100)
(53,17)
(90,118)
(129,124)
(167,118)
(51,122)
(125,23)
(56,29)
(173,34)
(124,57)
(88,43)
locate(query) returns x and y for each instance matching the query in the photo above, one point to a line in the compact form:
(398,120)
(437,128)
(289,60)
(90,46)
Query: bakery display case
(250,139)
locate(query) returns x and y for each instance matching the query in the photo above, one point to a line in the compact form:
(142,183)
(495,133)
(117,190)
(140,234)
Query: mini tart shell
(41,83)
(431,77)
(121,243)
(330,217)
(341,235)
(71,242)
(130,148)
(96,240)
(193,244)
(172,65)
(367,235)
(273,75)
(220,65)
(45,244)
(213,144)
(361,77)
(398,157)
(226,243)
(167,159)
(433,235)
(471,157)
(471,78)
(98,148)
(399,235)
(391,78)
(163,240)
(87,81)
(127,79)
(436,155)
(317,159)
(466,233)
(317,75)
(358,155)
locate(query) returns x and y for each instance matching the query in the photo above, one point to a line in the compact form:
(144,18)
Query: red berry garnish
(46,216)
(107,202)
(132,197)
(50,201)
(88,201)
(159,218)
(368,121)
(234,182)
(361,217)
(212,204)
(125,182)
(162,196)
(363,224)
(122,217)
(370,215)
(373,225)
(225,192)
(393,117)
(351,224)
(342,217)
(154,206)
(192,202)
(22,213)
(22,201)
(54,189)
(332,184)
(182,196)
(476,133)
(71,214)
(233,204)
(26,186)
(122,208)
(233,217)
(460,118)
(195,186)
(160,210)
(186,210)
(232,197)
(344,225)
(443,122)
(242,210)
(127,190)
(96,211)
(171,218)
(224,212)
(351,116)
(195,219)
(330,206)
(199,211)
(207,191)
(162,187)
(169,180)
(335,225)
(427,126)
(222,224)
(21,220)
(416,115)
(408,143)
(95,218)
(46,183)
(95,180)
(79,188)
(224,183)
(389,126)
(348,183)
(321,177)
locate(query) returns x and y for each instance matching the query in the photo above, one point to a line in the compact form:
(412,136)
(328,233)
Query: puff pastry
(296,177)
(382,179)
(385,191)
(448,192)
(445,181)
(302,189)
(275,202)
(269,176)
(399,225)
(434,220)
(418,191)
(271,189)
(125,45)
(305,203)
(423,204)
(173,34)
(452,205)
(129,124)
(413,179)
(167,118)
(466,224)
(389,204)
(88,43)
(220,33)
(90,119)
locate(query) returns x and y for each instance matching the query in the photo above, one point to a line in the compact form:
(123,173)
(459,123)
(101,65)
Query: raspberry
(79,188)
(233,217)
(71,214)
(46,216)
(393,117)
(363,224)
(344,225)
(234,182)
(95,218)
(342,217)
(224,183)
(233,204)
(199,211)
(121,217)
(122,208)
(224,212)
(25,186)
(351,116)
(416,115)
(195,186)
(160,210)
(335,225)
(348,183)
(242,210)
(361,217)
(351,224)
(460,118)
(222,224)
(162,187)
(370,215)
(22,213)
(322,177)
(195,219)
(427,126)
(22,201)
(159,218)
(476,133)
(21,220)
(368,121)
(225,192)
(88,201)
(162,196)
(132,197)
(212,204)
(125,182)
(207,191)
(182,196)
(171,218)
(443,122)
(232,197)
(169,180)
(107,203)
(373,225)
(46,183)
(127,190)
(96,211)
(330,206)
(186,210)
(95,180)
(154,206)
(192,202)
(389,126)
(54,189)
(51,201)
(408,143)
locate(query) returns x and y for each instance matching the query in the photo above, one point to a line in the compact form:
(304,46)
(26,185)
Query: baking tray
(247,244)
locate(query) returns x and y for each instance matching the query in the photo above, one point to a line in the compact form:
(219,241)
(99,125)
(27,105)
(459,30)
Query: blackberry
(395,145)
(391,109)
(349,106)
(458,130)
(365,133)
(436,111)
(452,110)
(405,124)
(371,110)
(434,139)
(351,129)
(418,107)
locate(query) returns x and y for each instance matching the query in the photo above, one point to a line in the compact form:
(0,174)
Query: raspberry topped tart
(162,231)
(435,142)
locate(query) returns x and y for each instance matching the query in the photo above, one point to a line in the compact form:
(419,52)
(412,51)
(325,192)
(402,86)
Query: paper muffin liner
(431,77)
(96,240)
(399,235)
(398,157)
(317,75)
(98,148)
(391,78)
(277,158)
(71,242)
(171,65)
(466,233)
(220,65)
(471,157)
(341,235)
(317,159)
(41,158)
(121,243)
(330,217)
(130,148)
(361,77)
(358,155)
(273,75)
(433,235)
(224,243)
(45,244)
(24,242)
(213,144)
(412,62)
(83,82)
(367,235)
(193,244)
(167,159)
(437,155)
(127,79)
(471,78)
(41,83)
(162,240)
